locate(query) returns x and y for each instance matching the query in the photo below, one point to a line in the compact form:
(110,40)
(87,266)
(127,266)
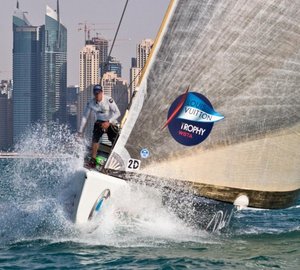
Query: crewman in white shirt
(107,113)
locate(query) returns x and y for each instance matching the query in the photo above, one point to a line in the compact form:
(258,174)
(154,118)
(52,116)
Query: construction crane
(110,39)
(88,27)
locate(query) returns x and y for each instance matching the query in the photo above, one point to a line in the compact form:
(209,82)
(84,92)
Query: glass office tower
(112,65)
(54,68)
(26,74)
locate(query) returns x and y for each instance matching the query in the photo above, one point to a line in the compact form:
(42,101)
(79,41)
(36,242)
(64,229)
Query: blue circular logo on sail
(191,118)
(145,153)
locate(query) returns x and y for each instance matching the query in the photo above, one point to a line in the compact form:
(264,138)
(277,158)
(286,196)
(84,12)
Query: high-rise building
(54,67)
(116,88)
(72,100)
(39,71)
(102,46)
(26,73)
(112,65)
(143,50)
(133,62)
(89,76)
(6,123)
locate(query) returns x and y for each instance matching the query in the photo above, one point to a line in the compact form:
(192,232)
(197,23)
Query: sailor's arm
(115,111)
(84,118)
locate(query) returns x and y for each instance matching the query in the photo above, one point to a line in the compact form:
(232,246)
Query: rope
(116,34)
(114,40)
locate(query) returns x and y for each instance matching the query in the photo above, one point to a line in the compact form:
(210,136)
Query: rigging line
(128,87)
(111,48)
(116,34)
(114,40)
(115,37)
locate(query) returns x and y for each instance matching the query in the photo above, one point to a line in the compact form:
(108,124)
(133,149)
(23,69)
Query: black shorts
(98,131)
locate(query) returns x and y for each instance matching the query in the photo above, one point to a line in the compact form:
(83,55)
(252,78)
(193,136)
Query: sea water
(134,232)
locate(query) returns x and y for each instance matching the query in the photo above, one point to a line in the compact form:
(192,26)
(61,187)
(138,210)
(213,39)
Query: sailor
(107,113)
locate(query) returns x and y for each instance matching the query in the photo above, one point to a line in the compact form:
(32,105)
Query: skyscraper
(54,67)
(112,64)
(26,73)
(102,46)
(143,50)
(89,76)
(39,71)
(72,101)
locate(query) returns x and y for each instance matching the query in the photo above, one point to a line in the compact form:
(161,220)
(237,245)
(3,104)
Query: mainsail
(242,59)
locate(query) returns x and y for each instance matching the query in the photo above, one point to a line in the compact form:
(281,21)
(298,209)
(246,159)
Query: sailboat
(216,117)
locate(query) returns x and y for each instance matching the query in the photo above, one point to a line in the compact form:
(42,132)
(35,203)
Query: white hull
(93,185)
(206,214)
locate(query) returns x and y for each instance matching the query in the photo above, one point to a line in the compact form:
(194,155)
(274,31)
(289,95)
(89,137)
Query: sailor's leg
(97,133)
(95,147)
(111,133)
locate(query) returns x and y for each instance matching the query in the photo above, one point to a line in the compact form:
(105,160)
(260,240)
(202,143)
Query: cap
(97,88)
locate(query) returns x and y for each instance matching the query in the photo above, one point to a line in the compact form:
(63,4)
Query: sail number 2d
(133,164)
(191,118)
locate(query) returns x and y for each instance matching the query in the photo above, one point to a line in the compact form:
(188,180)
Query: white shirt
(105,110)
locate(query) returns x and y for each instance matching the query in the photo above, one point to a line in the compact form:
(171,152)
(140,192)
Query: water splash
(36,194)
(138,218)
(40,192)
(36,188)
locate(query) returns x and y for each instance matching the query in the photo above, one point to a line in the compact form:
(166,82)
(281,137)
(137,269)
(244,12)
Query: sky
(141,20)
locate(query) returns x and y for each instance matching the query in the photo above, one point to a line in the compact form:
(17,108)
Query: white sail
(242,59)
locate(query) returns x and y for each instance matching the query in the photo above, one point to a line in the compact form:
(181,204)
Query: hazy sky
(142,20)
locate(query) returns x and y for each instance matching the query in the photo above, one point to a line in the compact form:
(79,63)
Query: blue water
(137,232)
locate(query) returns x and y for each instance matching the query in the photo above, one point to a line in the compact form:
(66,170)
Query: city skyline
(102,14)
(39,71)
